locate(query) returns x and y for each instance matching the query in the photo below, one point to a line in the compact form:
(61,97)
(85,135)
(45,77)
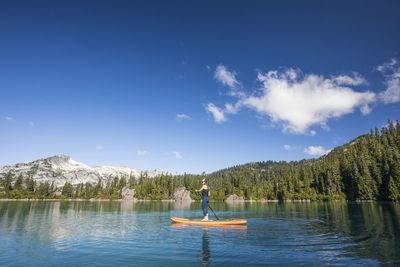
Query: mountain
(62,168)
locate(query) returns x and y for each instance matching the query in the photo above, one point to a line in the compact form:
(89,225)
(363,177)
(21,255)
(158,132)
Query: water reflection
(182,205)
(368,231)
(206,253)
(277,233)
(229,233)
(214,230)
(376,229)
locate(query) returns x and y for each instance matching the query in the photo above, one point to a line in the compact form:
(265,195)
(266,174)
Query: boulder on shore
(182,194)
(234,198)
(128,194)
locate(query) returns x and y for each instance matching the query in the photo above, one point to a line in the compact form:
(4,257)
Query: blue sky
(193,86)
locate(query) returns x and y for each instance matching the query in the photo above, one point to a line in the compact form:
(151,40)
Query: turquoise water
(141,234)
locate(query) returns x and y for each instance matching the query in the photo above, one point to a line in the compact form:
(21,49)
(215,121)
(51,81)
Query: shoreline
(172,200)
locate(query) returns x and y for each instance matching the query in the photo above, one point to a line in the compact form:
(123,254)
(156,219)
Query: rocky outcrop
(234,198)
(128,194)
(182,194)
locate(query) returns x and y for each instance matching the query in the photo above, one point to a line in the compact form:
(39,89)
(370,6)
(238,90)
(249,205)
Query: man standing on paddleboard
(205,190)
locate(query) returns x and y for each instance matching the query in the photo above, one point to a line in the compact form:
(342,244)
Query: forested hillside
(368,168)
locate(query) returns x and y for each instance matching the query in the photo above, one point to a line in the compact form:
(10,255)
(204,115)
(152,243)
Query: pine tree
(44,189)
(394,189)
(67,190)
(97,191)
(30,184)
(7,182)
(19,182)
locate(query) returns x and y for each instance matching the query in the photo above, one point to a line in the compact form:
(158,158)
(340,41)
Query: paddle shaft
(213,211)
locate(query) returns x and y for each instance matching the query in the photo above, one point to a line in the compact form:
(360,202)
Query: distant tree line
(157,188)
(368,168)
(26,188)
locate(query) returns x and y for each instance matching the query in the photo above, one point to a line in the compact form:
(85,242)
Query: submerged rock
(182,194)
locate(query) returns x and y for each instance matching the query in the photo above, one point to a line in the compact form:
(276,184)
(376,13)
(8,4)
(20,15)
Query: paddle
(213,211)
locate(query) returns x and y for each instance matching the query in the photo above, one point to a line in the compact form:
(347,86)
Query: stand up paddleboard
(214,223)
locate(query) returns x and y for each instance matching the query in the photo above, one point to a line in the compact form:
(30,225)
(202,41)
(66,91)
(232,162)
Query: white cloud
(31,124)
(391,71)
(177,155)
(232,109)
(300,102)
(183,117)
(9,118)
(312,132)
(357,79)
(218,113)
(99,147)
(296,101)
(316,150)
(287,147)
(323,126)
(226,77)
(290,147)
(143,153)
(387,65)
(392,93)
(365,110)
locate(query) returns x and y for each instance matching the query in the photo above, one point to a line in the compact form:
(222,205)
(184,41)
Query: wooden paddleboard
(214,223)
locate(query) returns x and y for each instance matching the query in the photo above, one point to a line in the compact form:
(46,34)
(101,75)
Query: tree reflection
(206,253)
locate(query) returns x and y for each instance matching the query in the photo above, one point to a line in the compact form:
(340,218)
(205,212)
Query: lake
(84,233)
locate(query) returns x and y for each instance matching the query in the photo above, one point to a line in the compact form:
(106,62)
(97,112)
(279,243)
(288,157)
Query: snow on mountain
(62,168)
(119,171)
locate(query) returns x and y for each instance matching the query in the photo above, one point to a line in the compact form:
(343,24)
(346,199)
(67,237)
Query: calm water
(141,234)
